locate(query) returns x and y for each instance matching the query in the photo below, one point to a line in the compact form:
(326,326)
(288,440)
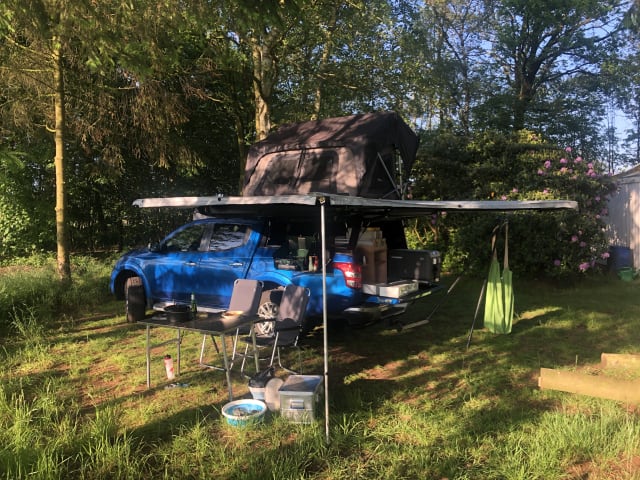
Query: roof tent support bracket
(395,190)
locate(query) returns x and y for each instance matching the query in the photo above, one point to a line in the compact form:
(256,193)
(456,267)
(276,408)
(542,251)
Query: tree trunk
(262,87)
(242,151)
(64,268)
(265,74)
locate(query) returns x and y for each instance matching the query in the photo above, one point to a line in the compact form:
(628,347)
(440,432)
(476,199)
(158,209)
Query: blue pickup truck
(365,281)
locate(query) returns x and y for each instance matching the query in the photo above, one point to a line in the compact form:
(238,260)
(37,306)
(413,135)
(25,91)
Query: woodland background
(102,102)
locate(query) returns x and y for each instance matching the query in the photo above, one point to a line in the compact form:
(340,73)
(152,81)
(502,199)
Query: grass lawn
(414,404)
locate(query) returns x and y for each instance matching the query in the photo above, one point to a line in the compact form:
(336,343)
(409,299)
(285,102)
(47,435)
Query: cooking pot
(178,313)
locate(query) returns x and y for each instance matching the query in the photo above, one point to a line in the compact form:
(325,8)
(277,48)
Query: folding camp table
(213,324)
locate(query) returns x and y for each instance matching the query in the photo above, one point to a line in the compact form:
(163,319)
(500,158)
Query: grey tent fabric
(353,155)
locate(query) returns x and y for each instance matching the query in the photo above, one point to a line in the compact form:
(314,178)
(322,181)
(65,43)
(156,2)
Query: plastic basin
(246,411)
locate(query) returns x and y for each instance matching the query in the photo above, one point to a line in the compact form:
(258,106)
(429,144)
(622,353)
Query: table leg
(227,370)
(179,340)
(148,360)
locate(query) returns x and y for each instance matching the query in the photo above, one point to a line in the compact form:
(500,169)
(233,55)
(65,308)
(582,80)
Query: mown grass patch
(409,404)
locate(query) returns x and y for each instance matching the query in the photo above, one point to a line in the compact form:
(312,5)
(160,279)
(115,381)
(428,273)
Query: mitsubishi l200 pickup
(369,276)
(369,271)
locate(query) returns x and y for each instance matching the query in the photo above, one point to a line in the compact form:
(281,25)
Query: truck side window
(187,240)
(227,236)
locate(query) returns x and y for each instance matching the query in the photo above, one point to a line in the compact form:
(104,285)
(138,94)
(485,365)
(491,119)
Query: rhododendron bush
(520,167)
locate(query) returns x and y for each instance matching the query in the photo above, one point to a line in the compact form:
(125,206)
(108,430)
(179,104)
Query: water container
(619,258)
(626,274)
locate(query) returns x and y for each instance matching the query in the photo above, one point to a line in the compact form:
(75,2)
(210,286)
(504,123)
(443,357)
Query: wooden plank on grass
(628,360)
(595,386)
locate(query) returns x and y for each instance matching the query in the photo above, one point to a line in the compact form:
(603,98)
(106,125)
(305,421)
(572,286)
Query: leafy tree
(37,34)
(541,42)
(447,43)
(627,71)
(21,212)
(135,125)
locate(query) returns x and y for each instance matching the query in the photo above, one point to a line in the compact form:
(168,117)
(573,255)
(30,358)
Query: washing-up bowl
(246,411)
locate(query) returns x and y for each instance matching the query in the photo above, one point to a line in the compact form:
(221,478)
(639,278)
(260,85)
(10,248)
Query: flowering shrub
(581,243)
(521,167)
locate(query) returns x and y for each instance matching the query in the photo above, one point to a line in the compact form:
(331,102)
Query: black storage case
(404,264)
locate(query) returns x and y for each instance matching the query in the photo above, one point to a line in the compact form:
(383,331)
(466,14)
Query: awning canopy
(371,208)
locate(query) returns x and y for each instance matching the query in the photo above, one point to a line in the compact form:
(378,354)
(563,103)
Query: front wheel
(134,299)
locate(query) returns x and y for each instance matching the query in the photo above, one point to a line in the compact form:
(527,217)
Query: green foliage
(14,228)
(21,223)
(519,167)
(160,100)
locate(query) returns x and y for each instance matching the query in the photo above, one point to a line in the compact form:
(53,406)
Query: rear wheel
(135,302)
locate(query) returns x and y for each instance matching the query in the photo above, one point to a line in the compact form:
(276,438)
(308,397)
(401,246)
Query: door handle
(236,264)
(190,264)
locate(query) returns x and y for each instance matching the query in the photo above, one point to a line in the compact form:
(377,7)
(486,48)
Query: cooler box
(300,396)
(422,265)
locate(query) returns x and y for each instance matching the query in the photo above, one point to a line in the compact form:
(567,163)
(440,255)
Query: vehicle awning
(299,205)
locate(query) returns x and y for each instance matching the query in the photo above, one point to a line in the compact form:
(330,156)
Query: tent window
(281,169)
(318,171)
(299,171)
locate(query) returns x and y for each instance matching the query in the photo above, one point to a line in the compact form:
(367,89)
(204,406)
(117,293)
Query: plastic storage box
(394,290)
(300,396)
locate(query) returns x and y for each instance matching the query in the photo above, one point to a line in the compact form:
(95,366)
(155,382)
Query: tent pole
(324,318)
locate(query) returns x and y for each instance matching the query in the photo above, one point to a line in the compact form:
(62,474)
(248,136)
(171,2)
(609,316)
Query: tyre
(268,309)
(134,299)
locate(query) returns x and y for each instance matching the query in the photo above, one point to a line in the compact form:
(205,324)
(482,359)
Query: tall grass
(32,285)
(404,405)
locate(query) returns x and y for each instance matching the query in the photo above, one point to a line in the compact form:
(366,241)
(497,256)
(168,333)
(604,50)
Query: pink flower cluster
(565,166)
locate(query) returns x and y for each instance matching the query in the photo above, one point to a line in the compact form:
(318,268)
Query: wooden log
(627,391)
(627,360)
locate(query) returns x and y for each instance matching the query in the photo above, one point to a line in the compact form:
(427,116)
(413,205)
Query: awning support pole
(324,318)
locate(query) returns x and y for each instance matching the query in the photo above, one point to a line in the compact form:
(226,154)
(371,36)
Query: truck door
(227,258)
(171,269)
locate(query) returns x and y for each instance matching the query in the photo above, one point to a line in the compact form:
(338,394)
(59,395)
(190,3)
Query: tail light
(352,273)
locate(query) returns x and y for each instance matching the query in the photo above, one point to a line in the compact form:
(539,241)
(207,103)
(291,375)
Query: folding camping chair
(287,327)
(245,298)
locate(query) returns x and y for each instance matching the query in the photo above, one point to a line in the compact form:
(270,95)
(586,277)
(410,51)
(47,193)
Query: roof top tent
(367,155)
